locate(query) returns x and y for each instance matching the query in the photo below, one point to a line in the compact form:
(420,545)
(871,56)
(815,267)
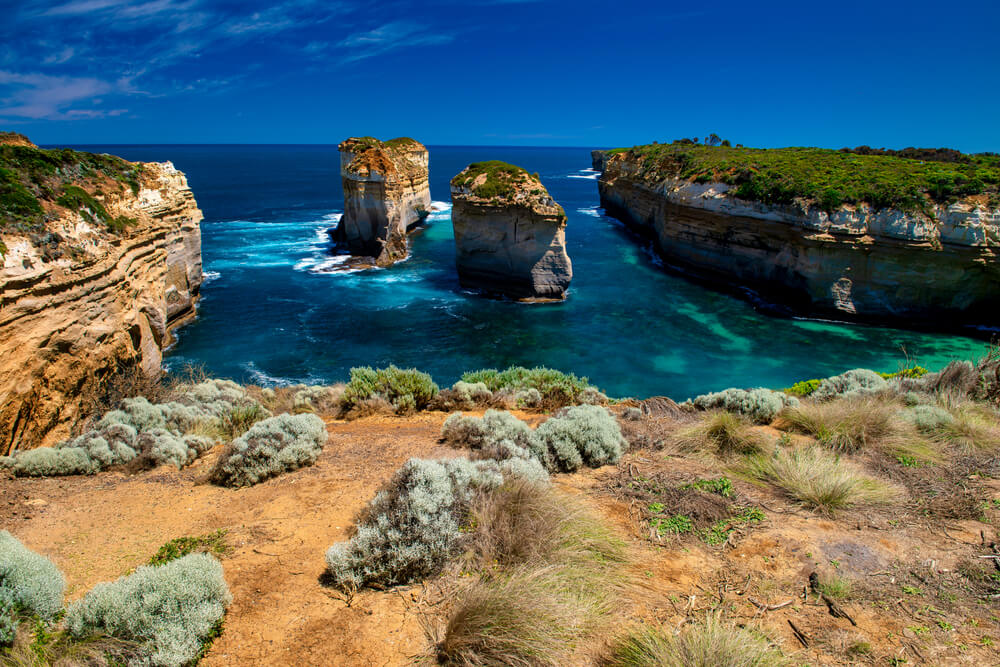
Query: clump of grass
(859,424)
(212,543)
(553,574)
(238,418)
(970,427)
(833,586)
(722,433)
(819,479)
(709,643)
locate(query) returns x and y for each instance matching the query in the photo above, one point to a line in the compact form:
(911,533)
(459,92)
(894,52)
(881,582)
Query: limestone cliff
(599,159)
(386,192)
(510,235)
(101,257)
(934,265)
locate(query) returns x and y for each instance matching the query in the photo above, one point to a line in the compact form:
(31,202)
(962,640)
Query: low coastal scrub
(574,437)
(30,586)
(759,405)
(492,179)
(857,382)
(271,447)
(406,390)
(711,642)
(167,610)
(819,479)
(829,178)
(212,543)
(555,388)
(862,380)
(159,616)
(412,526)
(148,434)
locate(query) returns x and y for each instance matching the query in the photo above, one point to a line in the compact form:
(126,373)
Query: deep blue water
(269,314)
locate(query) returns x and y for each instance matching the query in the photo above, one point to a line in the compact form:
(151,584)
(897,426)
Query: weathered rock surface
(386,192)
(510,235)
(599,159)
(938,269)
(15,139)
(80,300)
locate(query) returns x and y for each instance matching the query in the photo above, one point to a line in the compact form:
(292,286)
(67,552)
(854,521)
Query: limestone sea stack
(855,236)
(386,193)
(510,235)
(100,258)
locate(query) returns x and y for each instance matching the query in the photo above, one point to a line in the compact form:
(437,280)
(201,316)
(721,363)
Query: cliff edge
(386,192)
(834,233)
(510,235)
(100,258)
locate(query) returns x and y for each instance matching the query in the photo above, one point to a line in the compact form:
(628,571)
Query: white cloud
(40,96)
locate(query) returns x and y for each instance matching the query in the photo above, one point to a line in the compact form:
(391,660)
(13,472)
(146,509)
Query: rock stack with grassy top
(386,192)
(865,234)
(510,235)
(100,258)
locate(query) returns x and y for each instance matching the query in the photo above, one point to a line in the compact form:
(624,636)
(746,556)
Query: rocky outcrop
(937,268)
(89,285)
(15,139)
(510,235)
(386,193)
(599,159)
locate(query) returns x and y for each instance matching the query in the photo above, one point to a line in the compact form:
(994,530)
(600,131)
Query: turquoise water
(272,313)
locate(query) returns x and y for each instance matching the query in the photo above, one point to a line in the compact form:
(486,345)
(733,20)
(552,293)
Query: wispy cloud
(389,37)
(40,96)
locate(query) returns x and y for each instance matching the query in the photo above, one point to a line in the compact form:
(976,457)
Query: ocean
(273,313)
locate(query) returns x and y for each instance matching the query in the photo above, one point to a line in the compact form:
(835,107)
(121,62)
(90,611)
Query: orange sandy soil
(100,527)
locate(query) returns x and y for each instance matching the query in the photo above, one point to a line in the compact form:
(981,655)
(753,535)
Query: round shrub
(29,582)
(271,447)
(857,382)
(406,389)
(584,434)
(496,435)
(412,526)
(927,418)
(759,405)
(168,609)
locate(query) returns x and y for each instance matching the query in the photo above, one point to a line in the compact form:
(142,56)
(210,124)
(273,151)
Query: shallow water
(271,314)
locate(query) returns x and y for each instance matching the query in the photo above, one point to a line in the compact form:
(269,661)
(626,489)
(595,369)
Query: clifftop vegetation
(495,179)
(35,183)
(911,179)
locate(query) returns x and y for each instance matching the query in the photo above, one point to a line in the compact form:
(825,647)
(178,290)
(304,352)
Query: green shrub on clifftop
(760,405)
(557,389)
(406,389)
(30,584)
(271,447)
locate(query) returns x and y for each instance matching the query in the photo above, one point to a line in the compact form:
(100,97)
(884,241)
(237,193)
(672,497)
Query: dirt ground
(100,527)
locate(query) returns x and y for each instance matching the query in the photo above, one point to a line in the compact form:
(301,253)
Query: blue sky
(582,73)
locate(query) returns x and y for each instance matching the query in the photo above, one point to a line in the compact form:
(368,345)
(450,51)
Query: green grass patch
(829,178)
(557,389)
(502,179)
(212,543)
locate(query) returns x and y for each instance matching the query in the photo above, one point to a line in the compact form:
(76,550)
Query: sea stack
(386,193)
(99,259)
(510,235)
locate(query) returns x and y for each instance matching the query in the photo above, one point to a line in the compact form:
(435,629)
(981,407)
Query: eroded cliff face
(81,299)
(386,192)
(510,235)
(938,269)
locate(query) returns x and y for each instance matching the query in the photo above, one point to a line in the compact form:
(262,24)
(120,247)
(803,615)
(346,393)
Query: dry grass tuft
(722,433)
(58,649)
(369,407)
(859,424)
(710,643)
(819,479)
(553,572)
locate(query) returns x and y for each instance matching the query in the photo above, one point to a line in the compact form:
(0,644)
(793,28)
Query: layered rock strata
(936,268)
(386,193)
(510,235)
(91,283)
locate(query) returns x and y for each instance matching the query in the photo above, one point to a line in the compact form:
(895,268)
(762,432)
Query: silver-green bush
(407,389)
(496,435)
(412,526)
(584,434)
(30,584)
(168,609)
(271,447)
(156,431)
(857,382)
(927,418)
(760,405)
